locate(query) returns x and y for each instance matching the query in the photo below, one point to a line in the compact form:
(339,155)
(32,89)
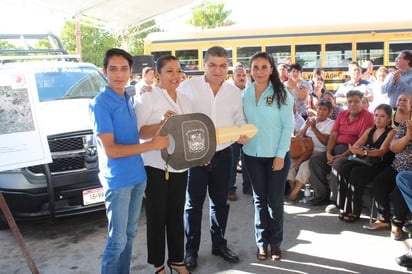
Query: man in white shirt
(145,84)
(221,101)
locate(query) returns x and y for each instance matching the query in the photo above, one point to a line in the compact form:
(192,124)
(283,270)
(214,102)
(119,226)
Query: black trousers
(165,202)
(319,170)
(353,179)
(385,190)
(213,180)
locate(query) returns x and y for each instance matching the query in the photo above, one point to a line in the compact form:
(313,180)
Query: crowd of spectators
(368,116)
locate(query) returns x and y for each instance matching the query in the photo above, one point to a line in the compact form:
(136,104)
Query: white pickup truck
(69,185)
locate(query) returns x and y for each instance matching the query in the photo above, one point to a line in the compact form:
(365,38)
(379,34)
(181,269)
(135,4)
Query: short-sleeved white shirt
(324,127)
(225,109)
(150,109)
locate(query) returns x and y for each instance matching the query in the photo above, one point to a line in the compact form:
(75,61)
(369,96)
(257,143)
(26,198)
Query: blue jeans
(123,207)
(404,183)
(210,179)
(268,194)
(236,153)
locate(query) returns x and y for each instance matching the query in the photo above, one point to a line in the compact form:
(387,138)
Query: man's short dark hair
(216,51)
(407,55)
(117,52)
(296,66)
(354,92)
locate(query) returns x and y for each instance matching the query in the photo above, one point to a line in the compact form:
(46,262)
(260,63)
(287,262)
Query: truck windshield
(69,82)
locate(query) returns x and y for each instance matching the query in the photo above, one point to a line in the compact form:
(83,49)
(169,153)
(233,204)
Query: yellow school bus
(331,47)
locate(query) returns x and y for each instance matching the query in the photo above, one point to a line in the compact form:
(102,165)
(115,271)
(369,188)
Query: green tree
(208,15)
(94,42)
(6,45)
(133,39)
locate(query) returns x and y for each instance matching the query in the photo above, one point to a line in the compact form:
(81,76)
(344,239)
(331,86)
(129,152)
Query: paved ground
(314,242)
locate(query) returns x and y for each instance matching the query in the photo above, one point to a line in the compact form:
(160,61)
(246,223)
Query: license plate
(93,196)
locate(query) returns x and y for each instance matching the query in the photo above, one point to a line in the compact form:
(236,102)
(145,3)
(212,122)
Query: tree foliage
(133,39)
(95,41)
(6,45)
(208,15)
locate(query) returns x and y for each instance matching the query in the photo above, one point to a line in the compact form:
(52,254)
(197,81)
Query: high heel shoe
(170,264)
(160,269)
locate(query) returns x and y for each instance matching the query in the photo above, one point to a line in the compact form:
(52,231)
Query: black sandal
(275,253)
(160,269)
(342,216)
(172,270)
(350,218)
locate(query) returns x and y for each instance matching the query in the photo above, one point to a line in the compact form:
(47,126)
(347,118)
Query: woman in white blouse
(166,187)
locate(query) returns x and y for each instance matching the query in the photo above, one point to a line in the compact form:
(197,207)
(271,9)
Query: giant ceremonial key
(193,139)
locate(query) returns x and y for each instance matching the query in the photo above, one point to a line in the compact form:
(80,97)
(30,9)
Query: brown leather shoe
(378,225)
(248,191)
(232,196)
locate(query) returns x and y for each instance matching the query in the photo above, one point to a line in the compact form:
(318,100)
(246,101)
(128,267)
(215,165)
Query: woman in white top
(319,129)
(166,189)
(378,96)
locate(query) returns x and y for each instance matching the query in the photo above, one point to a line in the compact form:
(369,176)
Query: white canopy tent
(111,15)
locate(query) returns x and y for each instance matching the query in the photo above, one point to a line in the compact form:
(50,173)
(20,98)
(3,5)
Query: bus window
(279,53)
(372,51)
(157,54)
(309,56)
(338,55)
(395,48)
(245,53)
(229,52)
(188,58)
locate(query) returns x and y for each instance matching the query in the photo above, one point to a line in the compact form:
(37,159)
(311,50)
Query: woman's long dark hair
(279,90)
(388,110)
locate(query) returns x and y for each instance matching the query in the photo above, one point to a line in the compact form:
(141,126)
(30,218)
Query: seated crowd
(355,133)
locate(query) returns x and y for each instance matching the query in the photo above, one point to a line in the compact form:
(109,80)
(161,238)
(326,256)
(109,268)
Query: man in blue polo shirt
(122,172)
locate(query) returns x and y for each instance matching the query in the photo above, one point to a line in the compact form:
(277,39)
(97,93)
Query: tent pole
(78,38)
